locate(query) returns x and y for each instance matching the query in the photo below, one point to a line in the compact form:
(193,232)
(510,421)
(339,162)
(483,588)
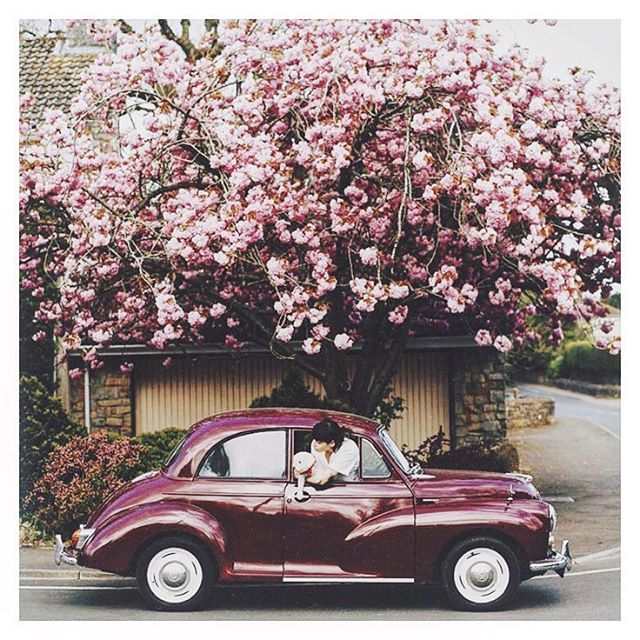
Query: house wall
(462,390)
(111,400)
(191,390)
(478,388)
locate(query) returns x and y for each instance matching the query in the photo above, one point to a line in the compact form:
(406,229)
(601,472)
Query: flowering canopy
(333,182)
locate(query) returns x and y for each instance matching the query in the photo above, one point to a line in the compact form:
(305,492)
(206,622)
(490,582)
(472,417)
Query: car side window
(260,455)
(373,465)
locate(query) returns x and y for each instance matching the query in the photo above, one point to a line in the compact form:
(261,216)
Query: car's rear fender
(116,545)
(522,523)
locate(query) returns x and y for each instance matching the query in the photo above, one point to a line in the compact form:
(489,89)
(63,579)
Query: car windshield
(394,449)
(174,454)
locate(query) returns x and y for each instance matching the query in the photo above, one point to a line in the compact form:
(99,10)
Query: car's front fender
(441,523)
(116,544)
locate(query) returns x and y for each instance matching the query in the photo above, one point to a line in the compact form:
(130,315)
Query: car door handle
(301,498)
(427,500)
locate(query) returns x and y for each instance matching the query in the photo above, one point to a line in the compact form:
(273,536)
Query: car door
(241,484)
(350,531)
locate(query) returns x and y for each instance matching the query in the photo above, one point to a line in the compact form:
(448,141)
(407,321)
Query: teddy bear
(304,463)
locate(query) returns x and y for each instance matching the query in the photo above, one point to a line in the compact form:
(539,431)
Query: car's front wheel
(175,574)
(480,574)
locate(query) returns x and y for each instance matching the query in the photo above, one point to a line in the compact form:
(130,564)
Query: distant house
(446,382)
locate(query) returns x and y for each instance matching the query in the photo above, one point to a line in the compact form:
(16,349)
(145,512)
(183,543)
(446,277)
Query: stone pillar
(478,389)
(111,400)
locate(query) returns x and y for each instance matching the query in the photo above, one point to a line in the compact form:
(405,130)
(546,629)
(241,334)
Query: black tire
(502,578)
(201,574)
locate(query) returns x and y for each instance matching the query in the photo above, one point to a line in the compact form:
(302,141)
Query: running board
(341,579)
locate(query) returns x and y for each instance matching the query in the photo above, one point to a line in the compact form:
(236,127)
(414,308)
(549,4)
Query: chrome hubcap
(481,575)
(174,575)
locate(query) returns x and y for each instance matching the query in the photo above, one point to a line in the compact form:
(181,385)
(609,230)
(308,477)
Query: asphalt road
(604,412)
(590,592)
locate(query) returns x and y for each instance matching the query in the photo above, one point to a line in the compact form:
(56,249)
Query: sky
(589,44)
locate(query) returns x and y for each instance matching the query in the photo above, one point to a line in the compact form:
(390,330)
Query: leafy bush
(157,446)
(581,360)
(614,301)
(44,425)
(78,477)
(435,453)
(294,392)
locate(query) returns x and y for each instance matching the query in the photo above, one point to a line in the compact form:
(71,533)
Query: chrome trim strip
(338,579)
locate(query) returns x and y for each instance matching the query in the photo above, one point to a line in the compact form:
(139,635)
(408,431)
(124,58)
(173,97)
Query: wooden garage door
(191,390)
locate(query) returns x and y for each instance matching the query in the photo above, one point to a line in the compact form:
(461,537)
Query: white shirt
(344,460)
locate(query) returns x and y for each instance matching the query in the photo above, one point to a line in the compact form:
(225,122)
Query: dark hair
(327,430)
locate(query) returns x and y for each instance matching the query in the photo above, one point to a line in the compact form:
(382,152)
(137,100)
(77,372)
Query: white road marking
(598,554)
(67,588)
(578,573)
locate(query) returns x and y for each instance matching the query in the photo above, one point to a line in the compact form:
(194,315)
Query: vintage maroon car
(225,509)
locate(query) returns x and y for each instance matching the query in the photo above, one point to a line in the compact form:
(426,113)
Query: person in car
(336,455)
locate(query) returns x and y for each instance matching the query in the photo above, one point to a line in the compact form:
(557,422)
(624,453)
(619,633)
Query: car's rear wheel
(480,574)
(175,574)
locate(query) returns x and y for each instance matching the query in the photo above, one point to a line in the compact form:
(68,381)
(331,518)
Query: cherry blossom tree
(338,185)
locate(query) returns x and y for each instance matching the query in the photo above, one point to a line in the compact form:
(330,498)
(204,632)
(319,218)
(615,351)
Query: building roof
(51,77)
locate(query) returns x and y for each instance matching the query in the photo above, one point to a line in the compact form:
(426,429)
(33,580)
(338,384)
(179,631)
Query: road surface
(590,592)
(605,412)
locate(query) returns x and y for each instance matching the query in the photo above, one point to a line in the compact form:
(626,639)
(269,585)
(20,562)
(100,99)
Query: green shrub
(157,446)
(581,360)
(77,477)
(44,425)
(294,392)
(491,455)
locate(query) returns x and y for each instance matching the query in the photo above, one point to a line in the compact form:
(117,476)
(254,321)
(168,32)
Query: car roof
(209,431)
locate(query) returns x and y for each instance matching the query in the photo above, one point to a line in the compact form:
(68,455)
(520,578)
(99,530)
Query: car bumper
(60,554)
(560,562)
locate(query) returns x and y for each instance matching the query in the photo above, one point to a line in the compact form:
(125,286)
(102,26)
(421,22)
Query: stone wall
(478,383)
(111,400)
(529,412)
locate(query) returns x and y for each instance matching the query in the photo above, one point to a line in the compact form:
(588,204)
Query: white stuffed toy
(303,463)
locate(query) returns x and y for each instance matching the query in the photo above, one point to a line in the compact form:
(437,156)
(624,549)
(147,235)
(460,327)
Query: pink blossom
(342,341)
(369,256)
(502,344)
(483,338)
(399,314)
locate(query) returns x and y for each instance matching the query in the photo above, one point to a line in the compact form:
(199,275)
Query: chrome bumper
(59,553)
(560,562)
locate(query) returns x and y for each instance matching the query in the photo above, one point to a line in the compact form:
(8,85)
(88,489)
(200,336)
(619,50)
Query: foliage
(44,425)
(583,361)
(614,301)
(78,477)
(330,182)
(293,392)
(491,455)
(35,340)
(30,535)
(157,446)
(390,408)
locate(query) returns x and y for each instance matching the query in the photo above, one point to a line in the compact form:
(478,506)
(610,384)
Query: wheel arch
(488,532)
(172,533)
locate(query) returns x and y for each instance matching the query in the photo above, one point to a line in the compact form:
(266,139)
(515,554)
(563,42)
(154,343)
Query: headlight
(553,518)
(80,536)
